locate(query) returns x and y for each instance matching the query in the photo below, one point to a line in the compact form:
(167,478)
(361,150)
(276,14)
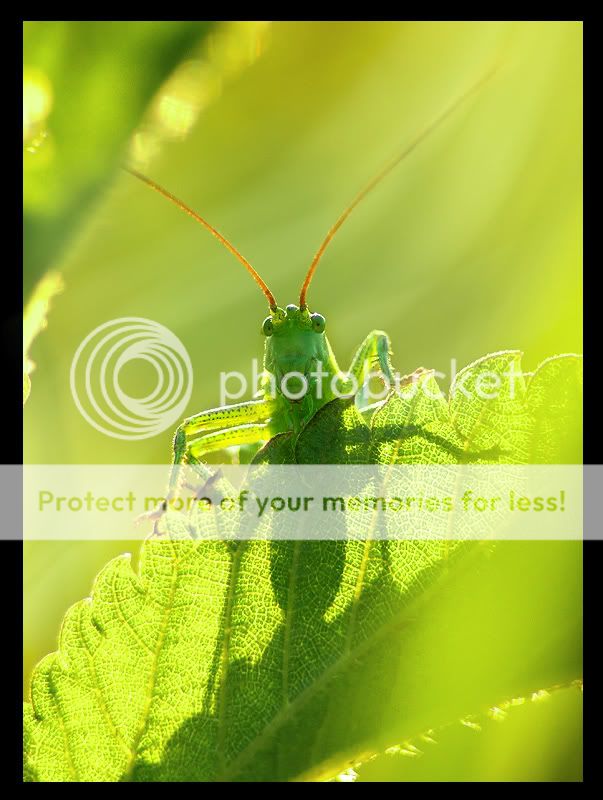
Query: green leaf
(508,743)
(35,321)
(86,87)
(272,660)
(555,401)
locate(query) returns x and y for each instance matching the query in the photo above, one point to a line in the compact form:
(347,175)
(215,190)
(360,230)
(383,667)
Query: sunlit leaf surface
(280,660)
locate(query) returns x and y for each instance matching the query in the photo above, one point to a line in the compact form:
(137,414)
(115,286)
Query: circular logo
(99,362)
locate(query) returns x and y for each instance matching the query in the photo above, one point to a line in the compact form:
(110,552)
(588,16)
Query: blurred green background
(472,245)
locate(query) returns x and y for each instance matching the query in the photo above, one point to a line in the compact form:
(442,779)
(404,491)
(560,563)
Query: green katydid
(298,359)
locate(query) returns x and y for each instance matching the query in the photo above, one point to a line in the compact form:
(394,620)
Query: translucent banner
(305,502)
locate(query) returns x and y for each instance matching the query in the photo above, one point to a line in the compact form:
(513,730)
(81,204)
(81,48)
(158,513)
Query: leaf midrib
(289,711)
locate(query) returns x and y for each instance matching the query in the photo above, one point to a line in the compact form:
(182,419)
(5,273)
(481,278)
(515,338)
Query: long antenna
(379,177)
(183,207)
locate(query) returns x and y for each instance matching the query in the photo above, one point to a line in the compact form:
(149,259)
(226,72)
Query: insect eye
(318,323)
(267,327)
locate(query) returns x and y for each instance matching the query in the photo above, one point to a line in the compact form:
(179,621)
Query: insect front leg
(229,437)
(213,427)
(212,430)
(375,350)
